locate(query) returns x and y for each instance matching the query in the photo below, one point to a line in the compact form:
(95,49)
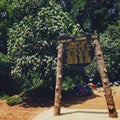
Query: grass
(14,100)
(3,96)
(11,100)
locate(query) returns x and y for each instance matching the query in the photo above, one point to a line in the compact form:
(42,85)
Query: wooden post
(105,80)
(58,96)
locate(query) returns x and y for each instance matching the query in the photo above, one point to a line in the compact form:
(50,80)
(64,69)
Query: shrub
(3,96)
(68,83)
(14,100)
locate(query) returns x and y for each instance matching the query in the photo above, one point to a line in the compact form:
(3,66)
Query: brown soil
(96,101)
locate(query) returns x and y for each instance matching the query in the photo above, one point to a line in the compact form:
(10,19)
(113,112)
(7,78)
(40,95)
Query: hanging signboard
(78,52)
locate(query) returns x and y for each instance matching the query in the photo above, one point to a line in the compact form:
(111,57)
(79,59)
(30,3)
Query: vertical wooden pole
(58,96)
(105,80)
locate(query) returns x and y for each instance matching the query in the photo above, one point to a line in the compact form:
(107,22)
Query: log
(105,80)
(58,96)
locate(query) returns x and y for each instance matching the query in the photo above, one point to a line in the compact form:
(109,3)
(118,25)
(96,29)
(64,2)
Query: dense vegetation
(28,40)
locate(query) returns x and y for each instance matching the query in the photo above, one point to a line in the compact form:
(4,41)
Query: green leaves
(110,42)
(32,41)
(112,47)
(68,84)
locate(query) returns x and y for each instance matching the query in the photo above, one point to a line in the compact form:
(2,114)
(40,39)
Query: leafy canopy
(110,42)
(32,42)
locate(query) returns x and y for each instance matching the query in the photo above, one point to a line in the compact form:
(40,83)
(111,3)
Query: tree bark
(58,96)
(105,80)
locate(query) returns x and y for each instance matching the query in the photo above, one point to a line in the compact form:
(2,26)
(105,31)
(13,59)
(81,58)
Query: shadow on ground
(45,98)
(88,112)
(69,99)
(38,98)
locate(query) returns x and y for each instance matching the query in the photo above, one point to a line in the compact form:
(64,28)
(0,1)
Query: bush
(14,100)
(3,96)
(68,83)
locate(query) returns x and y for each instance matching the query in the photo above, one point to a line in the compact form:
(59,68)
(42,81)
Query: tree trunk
(105,80)
(58,96)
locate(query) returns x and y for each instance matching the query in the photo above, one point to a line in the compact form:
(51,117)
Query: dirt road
(96,101)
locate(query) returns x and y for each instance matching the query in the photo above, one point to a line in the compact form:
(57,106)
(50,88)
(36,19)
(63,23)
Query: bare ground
(96,101)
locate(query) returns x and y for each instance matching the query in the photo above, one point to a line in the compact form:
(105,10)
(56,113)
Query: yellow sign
(78,52)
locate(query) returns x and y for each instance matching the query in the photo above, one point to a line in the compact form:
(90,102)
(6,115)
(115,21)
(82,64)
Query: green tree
(32,43)
(110,42)
(111,47)
(102,13)
(22,8)
(92,14)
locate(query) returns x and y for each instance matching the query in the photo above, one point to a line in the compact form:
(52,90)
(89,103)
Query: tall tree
(93,14)
(110,41)
(102,13)
(32,45)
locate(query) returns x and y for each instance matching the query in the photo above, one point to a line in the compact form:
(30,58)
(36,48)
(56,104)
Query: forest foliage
(28,39)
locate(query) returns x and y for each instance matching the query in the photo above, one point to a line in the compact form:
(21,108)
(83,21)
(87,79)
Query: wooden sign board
(78,52)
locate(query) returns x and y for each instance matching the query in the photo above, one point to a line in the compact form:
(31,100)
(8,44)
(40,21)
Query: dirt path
(96,101)
(17,113)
